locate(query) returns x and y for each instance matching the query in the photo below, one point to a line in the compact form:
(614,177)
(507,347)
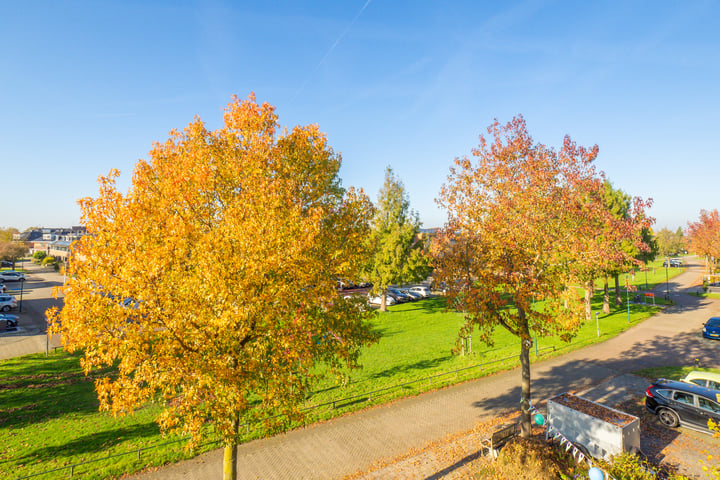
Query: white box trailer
(595,429)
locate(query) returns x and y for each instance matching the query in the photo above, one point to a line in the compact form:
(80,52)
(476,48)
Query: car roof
(713,321)
(687,387)
(705,375)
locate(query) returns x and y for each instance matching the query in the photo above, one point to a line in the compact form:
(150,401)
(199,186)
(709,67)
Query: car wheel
(668,418)
(5,308)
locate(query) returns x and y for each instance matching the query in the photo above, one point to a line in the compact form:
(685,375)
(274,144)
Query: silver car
(421,290)
(12,320)
(11,276)
(7,303)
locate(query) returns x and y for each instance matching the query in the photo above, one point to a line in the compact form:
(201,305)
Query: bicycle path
(344,445)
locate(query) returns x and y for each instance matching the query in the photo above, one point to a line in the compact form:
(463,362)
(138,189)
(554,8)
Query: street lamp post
(22,284)
(535,331)
(667,280)
(627,295)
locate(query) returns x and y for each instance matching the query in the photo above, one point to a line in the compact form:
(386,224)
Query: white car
(11,276)
(377,300)
(7,303)
(704,379)
(422,291)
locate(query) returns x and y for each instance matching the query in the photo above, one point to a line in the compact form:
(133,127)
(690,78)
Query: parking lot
(37,297)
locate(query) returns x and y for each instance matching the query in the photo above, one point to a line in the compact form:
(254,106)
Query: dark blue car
(711,329)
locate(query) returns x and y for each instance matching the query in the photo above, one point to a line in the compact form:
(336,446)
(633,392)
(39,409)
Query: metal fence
(334,404)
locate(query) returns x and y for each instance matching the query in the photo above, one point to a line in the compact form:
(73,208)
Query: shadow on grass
(38,364)
(26,406)
(93,443)
(412,367)
(37,390)
(429,305)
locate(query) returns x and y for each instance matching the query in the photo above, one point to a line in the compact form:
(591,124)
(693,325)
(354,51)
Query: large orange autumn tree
(519,219)
(210,284)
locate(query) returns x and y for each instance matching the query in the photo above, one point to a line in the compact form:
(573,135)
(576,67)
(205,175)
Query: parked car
(12,276)
(704,379)
(681,403)
(711,329)
(399,296)
(12,320)
(7,303)
(377,300)
(343,283)
(5,264)
(673,262)
(421,290)
(413,295)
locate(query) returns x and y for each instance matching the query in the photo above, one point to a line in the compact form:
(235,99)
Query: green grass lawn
(49,417)
(643,278)
(708,295)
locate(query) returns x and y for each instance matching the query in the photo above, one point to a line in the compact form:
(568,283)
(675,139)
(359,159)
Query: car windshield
(713,322)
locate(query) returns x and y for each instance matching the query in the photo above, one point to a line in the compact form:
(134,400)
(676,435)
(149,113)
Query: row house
(55,242)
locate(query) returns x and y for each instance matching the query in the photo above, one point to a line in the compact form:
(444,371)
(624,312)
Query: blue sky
(88,86)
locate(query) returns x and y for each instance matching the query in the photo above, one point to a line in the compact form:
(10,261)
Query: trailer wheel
(668,417)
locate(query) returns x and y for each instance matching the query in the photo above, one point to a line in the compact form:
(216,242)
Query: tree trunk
(588,299)
(230,455)
(606,298)
(525,344)
(383,301)
(618,296)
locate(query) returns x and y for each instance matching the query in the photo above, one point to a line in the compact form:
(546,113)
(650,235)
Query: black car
(680,403)
(5,264)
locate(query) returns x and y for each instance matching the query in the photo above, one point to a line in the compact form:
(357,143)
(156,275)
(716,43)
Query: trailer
(595,429)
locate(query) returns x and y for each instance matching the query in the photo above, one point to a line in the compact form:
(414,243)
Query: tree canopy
(210,284)
(520,221)
(9,249)
(671,243)
(704,237)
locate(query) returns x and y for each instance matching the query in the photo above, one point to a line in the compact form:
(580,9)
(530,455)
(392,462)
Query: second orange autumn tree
(519,220)
(210,285)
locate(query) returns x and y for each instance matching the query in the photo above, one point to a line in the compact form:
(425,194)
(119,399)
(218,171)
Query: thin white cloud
(330,50)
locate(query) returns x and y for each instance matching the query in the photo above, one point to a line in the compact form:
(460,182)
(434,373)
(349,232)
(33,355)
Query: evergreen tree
(398,256)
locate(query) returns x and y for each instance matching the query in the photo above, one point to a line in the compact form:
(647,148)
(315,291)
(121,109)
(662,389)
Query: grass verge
(672,372)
